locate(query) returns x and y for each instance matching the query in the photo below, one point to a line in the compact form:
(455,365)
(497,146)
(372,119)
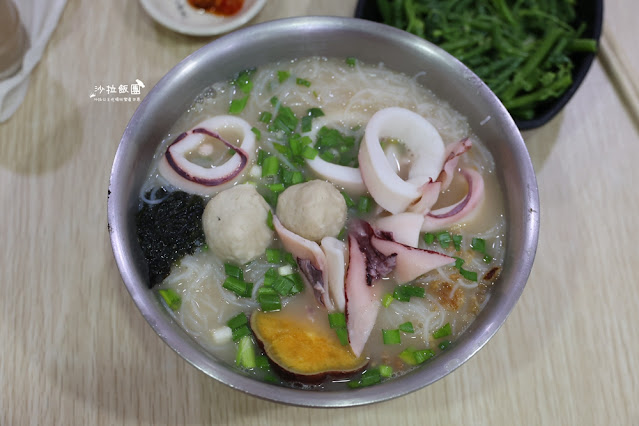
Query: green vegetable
(283,285)
(169,230)
(337,320)
(522,49)
(369,377)
(265,117)
(282,76)
(429,238)
(269,220)
(387,299)
(302,82)
(479,245)
(351,62)
(271,166)
(245,353)
(172,299)
(258,134)
(233,271)
(444,239)
(403,293)
(385,371)
(243,80)
(269,301)
(391,337)
(273,255)
(237,105)
(469,275)
(365,204)
(240,332)
(349,201)
(239,287)
(237,321)
(407,327)
(444,331)
(285,121)
(457,240)
(342,335)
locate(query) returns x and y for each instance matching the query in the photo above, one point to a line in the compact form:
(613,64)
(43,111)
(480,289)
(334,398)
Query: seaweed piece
(168,231)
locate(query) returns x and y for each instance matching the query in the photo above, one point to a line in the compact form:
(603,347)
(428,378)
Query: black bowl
(588,11)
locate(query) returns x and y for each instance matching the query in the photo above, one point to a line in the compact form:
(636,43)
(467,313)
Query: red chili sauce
(218,7)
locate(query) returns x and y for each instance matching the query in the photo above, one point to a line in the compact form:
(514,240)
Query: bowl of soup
(323,211)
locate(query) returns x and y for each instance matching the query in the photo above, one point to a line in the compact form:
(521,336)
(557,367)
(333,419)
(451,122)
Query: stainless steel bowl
(331,37)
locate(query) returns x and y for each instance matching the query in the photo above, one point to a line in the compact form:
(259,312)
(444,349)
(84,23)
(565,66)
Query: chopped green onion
(315,112)
(273,255)
(243,80)
(239,287)
(288,258)
(488,258)
(269,302)
(479,244)
(276,187)
(444,239)
(364,204)
(237,321)
(307,124)
(172,299)
(429,238)
(391,337)
(385,371)
(270,276)
(265,117)
(403,293)
(469,275)
(205,247)
(283,285)
(423,355)
(258,134)
(444,344)
(407,327)
(240,332)
(271,166)
(349,201)
(233,271)
(274,101)
(342,335)
(285,120)
(368,378)
(309,152)
(282,76)
(298,177)
(269,220)
(237,105)
(245,353)
(261,155)
(408,356)
(303,82)
(262,362)
(351,62)
(298,283)
(444,331)
(337,320)
(387,299)
(266,290)
(457,240)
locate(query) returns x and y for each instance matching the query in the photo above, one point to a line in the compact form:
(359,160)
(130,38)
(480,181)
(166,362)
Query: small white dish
(180,16)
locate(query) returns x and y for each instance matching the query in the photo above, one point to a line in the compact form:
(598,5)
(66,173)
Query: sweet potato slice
(301,350)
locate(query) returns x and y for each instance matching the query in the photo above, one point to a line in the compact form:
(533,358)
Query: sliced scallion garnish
(233,271)
(172,299)
(391,337)
(237,105)
(443,331)
(407,327)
